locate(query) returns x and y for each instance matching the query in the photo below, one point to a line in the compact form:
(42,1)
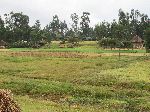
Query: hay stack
(7,104)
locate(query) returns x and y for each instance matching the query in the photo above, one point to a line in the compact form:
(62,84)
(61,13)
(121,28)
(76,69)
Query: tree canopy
(15,27)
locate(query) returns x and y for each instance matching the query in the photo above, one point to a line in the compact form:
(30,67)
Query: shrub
(126,44)
(108,43)
(70,45)
(113,43)
(27,44)
(73,40)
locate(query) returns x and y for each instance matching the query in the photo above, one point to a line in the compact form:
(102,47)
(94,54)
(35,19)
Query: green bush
(113,43)
(27,44)
(73,40)
(126,44)
(108,43)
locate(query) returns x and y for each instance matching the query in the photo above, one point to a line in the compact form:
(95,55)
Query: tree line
(16,31)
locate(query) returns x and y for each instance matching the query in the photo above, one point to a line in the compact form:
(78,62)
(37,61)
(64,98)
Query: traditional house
(137,42)
(2,44)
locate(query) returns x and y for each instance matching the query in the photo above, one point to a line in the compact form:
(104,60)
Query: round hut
(137,42)
(2,44)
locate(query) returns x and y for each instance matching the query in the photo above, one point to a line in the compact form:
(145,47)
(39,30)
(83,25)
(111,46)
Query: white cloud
(45,9)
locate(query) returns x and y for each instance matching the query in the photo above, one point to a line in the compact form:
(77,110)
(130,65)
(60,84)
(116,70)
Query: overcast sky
(100,10)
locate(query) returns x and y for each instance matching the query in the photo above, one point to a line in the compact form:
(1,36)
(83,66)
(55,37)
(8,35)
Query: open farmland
(64,81)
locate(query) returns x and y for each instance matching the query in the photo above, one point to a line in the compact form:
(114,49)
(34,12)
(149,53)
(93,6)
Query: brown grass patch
(49,54)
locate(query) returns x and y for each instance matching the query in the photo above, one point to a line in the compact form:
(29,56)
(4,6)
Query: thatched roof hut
(136,39)
(137,42)
(2,43)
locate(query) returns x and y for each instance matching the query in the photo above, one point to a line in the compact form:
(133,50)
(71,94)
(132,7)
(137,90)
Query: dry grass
(7,104)
(66,54)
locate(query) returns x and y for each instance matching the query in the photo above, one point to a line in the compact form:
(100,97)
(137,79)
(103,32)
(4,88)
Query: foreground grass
(37,105)
(43,84)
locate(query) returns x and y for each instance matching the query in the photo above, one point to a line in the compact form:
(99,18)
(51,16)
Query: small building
(2,44)
(137,42)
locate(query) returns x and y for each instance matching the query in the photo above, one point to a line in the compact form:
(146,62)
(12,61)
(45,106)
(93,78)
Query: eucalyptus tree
(47,33)
(135,16)
(75,20)
(85,20)
(114,29)
(36,32)
(124,26)
(55,26)
(92,34)
(144,24)
(63,29)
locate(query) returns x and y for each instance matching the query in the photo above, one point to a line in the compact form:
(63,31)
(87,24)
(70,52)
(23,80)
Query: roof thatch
(2,43)
(136,39)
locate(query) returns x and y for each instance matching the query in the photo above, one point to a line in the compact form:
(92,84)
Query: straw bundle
(7,104)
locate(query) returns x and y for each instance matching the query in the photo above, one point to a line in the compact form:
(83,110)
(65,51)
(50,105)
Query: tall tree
(63,29)
(92,34)
(147,39)
(47,33)
(75,20)
(36,33)
(17,24)
(2,29)
(55,26)
(144,24)
(124,26)
(85,24)
(102,30)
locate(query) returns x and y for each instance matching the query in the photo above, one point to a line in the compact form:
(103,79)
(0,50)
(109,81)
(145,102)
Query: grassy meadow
(82,79)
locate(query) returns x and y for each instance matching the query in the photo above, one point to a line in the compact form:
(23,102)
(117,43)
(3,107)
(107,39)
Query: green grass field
(85,47)
(45,83)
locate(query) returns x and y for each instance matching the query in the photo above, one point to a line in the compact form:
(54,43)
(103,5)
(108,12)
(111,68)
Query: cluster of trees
(124,29)
(15,29)
(147,40)
(127,26)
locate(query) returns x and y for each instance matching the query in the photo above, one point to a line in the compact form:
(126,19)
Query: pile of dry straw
(7,104)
